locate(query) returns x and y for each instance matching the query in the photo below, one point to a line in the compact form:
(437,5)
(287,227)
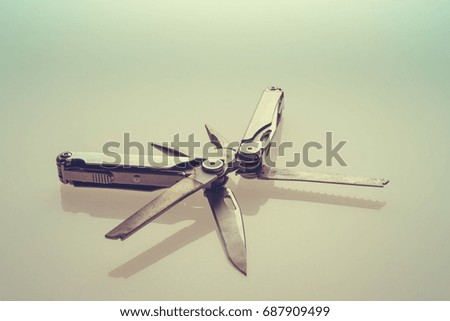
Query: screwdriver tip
(115,236)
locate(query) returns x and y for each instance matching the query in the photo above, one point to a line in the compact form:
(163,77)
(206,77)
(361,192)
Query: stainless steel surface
(95,169)
(187,186)
(213,166)
(260,131)
(169,150)
(216,138)
(129,160)
(230,225)
(187,175)
(291,174)
(375,73)
(263,124)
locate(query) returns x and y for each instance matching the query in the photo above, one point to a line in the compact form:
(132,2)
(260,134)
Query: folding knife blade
(229,221)
(187,186)
(216,138)
(169,150)
(289,174)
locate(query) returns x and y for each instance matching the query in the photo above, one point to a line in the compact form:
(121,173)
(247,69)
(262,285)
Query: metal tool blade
(229,221)
(162,203)
(216,138)
(289,174)
(169,150)
(266,116)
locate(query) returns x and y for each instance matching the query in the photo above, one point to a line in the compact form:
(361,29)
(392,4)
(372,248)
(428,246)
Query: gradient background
(74,75)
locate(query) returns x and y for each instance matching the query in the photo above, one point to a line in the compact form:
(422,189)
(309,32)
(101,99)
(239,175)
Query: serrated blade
(230,225)
(161,204)
(290,174)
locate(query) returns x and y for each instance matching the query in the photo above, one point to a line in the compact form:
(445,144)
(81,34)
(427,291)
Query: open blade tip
(242,266)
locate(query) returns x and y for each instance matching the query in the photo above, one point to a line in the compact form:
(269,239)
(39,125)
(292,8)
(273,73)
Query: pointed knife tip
(208,129)
(243,270)
(241,266)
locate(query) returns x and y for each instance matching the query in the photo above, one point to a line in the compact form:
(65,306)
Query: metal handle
(265,119)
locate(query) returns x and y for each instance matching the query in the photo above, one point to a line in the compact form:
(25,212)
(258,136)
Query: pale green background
(76,74)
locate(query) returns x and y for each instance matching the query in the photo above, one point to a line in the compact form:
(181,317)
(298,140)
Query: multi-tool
(185,174)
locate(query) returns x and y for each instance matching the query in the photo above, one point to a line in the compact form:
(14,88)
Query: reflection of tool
(186,175)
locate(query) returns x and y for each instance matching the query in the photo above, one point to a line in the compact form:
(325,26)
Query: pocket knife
(182,175)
